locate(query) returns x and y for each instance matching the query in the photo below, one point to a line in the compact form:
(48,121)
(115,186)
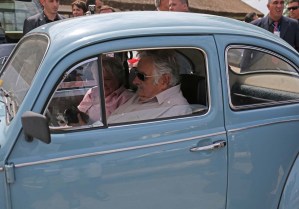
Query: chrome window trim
(67,72)
(254,106)
(130,123)
(260,125)
(116,150)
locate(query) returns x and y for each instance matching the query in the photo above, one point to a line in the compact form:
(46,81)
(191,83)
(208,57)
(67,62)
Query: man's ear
(165,81)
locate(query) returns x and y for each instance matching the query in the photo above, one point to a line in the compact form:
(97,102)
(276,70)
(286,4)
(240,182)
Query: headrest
(194,88)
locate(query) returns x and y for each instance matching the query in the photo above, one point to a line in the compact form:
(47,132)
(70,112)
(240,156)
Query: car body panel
(259,138)
(150,164)
(290,196)
(128,157)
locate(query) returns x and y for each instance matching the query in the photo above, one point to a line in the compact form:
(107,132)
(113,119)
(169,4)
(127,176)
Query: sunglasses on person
(293,8)
(141,76)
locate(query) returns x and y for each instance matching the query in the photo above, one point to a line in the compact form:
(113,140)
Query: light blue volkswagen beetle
(238,148)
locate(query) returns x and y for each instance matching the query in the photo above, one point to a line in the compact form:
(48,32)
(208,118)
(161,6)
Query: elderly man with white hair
(159,94)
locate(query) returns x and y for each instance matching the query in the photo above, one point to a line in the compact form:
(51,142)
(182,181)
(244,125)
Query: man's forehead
(277,1)
(49,1)
(145,61)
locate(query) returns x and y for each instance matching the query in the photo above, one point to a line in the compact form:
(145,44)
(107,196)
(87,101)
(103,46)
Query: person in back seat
(158,90)
(115,92)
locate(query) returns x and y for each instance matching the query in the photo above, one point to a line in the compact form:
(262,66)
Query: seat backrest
(194,88)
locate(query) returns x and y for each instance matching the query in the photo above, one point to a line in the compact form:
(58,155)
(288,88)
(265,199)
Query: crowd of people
(87,7)
(275,21)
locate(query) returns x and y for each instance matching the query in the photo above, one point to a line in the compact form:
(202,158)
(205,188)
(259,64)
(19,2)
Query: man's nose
(136,81)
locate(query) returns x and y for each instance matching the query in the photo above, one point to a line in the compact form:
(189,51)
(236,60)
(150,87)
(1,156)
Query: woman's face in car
(111,82)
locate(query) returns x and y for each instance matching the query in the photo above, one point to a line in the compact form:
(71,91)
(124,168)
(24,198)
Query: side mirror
(36,126)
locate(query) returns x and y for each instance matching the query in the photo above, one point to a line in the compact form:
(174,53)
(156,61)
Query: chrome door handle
(215,145)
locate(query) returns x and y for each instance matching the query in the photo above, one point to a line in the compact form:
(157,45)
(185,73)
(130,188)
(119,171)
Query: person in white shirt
(158,90)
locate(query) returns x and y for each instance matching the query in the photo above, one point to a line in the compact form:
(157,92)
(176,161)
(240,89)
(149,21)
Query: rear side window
(259,79)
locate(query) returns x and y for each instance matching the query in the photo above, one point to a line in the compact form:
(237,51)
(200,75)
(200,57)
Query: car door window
(167,83)
(258,78)
(131,88)
(66,109)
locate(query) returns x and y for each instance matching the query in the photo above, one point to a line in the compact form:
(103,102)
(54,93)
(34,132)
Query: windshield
(17,75)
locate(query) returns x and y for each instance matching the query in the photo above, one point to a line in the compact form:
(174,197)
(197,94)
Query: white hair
(165,62)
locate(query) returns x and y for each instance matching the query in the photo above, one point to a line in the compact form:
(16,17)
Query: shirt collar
(270,22)
(165,95)
(48,20)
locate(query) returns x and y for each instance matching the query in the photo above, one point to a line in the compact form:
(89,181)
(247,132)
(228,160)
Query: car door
(178,162)
(261,117)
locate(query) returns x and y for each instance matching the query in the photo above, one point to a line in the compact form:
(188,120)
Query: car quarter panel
(290,197)
(263,142)
(142,165)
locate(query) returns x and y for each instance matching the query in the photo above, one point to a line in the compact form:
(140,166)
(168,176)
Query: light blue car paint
(290,196)
(149,165)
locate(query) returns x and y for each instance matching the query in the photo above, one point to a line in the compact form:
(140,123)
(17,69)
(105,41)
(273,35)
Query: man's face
(50,6)
(275,9)
(294,10)
(164,6)
(178,6)
(147,89)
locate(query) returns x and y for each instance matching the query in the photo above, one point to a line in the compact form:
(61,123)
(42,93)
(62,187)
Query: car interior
(77,80)
(258,79)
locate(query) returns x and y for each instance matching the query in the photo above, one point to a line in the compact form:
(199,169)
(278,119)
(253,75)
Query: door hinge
(10,173)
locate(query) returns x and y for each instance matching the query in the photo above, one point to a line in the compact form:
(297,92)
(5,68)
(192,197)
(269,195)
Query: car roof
(101,27)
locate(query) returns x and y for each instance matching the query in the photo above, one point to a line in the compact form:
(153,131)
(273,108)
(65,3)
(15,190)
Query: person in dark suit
(284,27)
(293,8)
(49,14)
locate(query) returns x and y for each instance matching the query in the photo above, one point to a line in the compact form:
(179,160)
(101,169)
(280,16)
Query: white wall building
(260,5)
